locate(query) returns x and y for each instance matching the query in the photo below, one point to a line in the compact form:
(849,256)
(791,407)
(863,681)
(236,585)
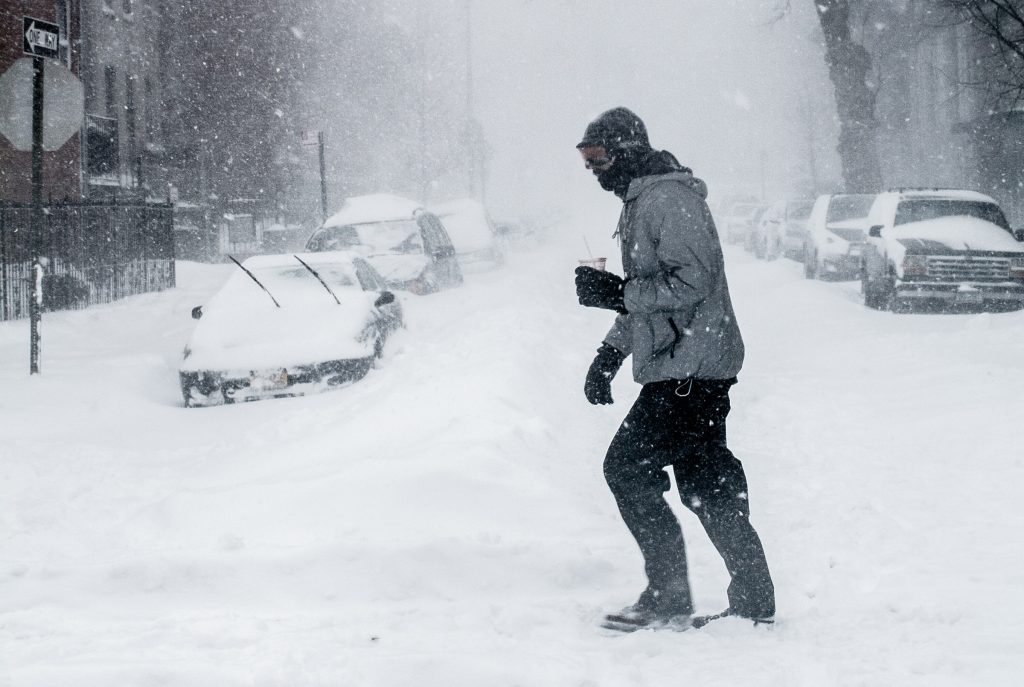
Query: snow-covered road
(444,521)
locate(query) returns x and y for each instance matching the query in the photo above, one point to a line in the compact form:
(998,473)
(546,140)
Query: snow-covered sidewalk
(444,521)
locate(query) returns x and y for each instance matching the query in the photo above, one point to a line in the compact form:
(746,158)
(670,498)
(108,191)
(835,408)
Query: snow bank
(445,521)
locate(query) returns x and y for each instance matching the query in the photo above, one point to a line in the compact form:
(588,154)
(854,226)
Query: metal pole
(470,139)
(323,176)
(37,212)
(763,155)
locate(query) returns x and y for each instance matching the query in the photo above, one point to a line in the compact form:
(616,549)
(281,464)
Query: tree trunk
(848,65)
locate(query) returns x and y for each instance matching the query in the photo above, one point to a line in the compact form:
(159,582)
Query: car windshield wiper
(319,278)
(253,277)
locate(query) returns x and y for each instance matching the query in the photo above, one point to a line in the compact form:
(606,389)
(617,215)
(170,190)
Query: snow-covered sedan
(737,225)
(406,244)
(477,244)
(286,325)
(948,247)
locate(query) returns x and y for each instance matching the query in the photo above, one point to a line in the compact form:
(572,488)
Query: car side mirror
(875,232)
(1018,234)
(385,298)
(197,312)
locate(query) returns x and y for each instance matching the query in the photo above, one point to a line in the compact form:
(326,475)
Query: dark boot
(652,609)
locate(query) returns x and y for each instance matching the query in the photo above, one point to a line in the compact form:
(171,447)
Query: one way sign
(41,38)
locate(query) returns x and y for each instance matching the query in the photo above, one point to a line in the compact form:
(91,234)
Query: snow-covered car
(780,231)
(949,247)
(722,206)
(836,231)
(406,244)
(751,235)
(286,325)
(477,243)
(737,225)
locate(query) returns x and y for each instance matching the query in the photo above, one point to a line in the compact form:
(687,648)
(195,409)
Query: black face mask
(618,177)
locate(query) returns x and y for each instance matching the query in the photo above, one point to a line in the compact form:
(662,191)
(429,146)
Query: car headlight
(1017,268)
(915,266)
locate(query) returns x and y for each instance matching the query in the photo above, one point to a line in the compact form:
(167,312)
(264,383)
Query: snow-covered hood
(261,336)
(952,235)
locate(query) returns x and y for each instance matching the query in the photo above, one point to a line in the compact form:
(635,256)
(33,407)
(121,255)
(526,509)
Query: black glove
(598,387)
(597,289)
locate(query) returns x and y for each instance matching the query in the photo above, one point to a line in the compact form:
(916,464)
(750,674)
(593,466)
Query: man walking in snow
(675,318)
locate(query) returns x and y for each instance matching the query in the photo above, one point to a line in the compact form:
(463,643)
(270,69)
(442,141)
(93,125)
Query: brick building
(62,168)
(121,73)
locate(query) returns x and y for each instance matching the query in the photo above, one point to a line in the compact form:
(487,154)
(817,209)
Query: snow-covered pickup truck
(947,247)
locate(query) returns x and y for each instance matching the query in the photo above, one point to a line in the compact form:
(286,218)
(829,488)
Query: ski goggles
(596,157)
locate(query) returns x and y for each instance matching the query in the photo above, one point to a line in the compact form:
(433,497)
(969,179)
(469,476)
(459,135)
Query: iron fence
(91,253)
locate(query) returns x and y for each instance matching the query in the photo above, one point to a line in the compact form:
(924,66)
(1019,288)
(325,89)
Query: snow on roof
(466,222)
(376,207)
(945,194)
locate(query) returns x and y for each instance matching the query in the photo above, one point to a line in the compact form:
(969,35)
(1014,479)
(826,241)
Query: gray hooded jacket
(681,322)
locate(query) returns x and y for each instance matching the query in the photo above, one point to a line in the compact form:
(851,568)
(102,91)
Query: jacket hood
(667,172)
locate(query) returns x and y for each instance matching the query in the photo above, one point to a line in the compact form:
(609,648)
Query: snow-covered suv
(951,247)
(835,234)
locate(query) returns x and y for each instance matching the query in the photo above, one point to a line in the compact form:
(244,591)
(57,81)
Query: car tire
(878,296)
(811,267)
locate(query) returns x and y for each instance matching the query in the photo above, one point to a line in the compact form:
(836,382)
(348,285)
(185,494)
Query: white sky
(715,82)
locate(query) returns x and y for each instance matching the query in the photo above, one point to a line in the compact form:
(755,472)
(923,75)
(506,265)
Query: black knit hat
(616,129)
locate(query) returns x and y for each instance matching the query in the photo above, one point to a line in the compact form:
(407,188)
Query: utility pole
(323,175)
(421,104)
(762,158)
(470,132)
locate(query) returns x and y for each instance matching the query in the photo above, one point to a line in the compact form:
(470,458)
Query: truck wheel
(878,296)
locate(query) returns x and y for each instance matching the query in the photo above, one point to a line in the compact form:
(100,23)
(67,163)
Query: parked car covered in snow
(781,229)
(406,244)
(949,247)
(737,225)
(477,243)
(286,325)
(836,231)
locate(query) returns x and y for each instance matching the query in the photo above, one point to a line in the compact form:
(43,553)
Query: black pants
(682,424)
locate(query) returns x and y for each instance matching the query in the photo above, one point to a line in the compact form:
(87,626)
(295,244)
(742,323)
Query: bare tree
(849,65)
(1000,23)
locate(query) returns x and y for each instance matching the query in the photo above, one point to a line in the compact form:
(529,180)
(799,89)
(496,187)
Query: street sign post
(40,40)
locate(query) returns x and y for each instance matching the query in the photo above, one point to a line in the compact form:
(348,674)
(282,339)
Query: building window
(130,115)
(110,90)
(101,145)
